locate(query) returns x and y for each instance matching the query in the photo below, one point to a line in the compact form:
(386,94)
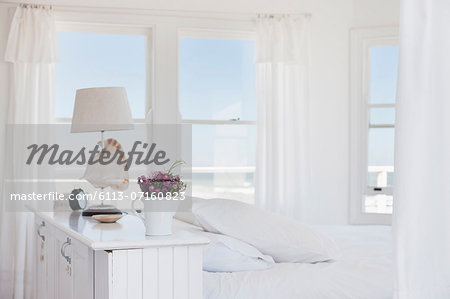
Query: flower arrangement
(161,182)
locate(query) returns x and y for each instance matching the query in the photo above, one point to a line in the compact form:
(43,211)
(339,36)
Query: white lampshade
(101,109)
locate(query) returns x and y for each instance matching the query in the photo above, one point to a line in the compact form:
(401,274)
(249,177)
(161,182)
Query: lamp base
(101,210)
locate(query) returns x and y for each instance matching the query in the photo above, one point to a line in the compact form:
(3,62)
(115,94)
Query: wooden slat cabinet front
(67,268)
(156,272)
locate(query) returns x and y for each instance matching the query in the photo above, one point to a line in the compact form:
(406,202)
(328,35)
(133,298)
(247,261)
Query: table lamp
(101,109)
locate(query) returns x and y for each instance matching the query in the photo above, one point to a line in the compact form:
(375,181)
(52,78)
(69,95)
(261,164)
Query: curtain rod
(30,5)
(241,16)
(272,15)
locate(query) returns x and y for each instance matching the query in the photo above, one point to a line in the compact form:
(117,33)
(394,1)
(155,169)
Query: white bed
(364,271)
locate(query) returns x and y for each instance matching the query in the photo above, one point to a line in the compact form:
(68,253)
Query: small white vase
(157,223)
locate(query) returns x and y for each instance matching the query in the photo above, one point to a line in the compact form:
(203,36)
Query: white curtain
(422,159)
(282,165)
(32,50)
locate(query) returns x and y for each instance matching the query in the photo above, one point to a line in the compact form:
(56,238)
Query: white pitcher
(157,223)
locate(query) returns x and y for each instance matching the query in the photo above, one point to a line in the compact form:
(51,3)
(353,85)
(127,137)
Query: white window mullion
(217,122)
(381,126)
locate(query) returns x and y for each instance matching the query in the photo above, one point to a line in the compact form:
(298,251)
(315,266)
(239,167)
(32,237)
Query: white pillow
(187,216)
(284,239)
(226,254)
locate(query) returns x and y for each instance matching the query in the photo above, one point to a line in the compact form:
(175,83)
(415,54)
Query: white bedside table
(78,257)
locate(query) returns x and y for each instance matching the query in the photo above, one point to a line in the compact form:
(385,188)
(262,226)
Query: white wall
(330,25)
(376,13)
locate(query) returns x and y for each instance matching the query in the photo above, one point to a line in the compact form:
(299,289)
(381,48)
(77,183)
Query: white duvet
(364,271)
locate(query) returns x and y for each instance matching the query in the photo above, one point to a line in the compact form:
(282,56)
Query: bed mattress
(363,271)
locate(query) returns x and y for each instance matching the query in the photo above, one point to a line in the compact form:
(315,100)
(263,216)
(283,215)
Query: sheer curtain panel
(282,164)
(32,51)
(421,220)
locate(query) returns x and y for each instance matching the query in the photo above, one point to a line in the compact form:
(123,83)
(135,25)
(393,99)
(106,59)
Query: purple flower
(161,181)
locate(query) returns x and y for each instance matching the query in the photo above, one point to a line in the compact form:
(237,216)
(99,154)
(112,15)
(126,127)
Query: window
(92,58)
(99,56)
(374,84)
(217,96)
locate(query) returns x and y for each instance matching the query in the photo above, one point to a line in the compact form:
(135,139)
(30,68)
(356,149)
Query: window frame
(81,27)
(213,34)
(361,40)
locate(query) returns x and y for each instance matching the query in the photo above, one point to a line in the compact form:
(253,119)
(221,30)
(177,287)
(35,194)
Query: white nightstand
(78,258)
